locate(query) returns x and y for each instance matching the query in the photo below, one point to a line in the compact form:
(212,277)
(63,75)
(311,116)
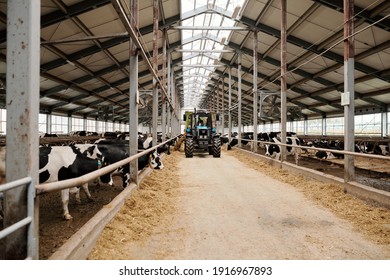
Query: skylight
(201,46)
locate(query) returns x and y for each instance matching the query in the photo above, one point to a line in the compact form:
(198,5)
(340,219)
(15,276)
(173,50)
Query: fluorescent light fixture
(223,41)
(236,11)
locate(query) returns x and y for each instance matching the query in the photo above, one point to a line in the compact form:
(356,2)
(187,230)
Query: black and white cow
(273,150)
(376,148)
(245,136)
(116,150)
(59,163)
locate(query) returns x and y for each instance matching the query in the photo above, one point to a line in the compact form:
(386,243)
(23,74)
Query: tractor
(200,133)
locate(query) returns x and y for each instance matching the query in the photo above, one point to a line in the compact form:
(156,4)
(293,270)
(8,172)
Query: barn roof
(85,55)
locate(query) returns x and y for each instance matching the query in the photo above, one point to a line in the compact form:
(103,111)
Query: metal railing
(29,220)
(60,185)
(367,155)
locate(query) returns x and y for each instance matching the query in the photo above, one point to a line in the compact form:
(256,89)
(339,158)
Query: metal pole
(133,94)
(48,123)
(283,78)
(239,99)
(23,60)
(164,83)
(223,108)
(230,100)
(169,92)
(255,94)
(349,90)
(218,111)
(155,68)
(385,120)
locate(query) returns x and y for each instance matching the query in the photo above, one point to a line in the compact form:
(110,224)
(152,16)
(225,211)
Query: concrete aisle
(229,211)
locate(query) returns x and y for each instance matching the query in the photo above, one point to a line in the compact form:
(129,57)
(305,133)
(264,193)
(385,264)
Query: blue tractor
(201,135)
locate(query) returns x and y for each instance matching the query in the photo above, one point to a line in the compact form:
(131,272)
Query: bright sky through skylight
(195,78)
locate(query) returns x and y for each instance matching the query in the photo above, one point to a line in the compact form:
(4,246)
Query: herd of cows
(303,145)
(58,163)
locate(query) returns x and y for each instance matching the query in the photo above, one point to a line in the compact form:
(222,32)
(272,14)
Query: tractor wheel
(217,148)
(189,147)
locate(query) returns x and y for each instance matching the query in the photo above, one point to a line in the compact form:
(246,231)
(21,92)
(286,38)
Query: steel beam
(133,93)
(349,90)
(23,57)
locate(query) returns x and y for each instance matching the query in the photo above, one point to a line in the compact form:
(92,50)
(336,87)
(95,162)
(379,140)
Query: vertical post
(70,120)
(349,106)
(230,101)
(218,111)
(164,82)
(155,68)
(133,95)
(223,108)
(384,129)
(23,60)
(283,78)
(85,123)
(239,98)
(323,126)
(255,94)
(48,123)
(169,114)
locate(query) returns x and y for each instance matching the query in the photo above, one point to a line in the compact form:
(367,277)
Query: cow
(59,163)
(44,134)
(273,150)
(115,150)
(245,136)
(376,148)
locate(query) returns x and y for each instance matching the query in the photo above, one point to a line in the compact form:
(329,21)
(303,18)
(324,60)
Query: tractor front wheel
(217,148)
(189,148)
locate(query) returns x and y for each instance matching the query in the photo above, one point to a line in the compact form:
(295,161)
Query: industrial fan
(270,106)
(105,112)
(294,113)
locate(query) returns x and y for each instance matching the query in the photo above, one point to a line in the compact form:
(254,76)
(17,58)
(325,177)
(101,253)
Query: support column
(349,90)
(23,60)
(218,111)
(323,126)
(230,101)
(385,121)
(255,94)
(283,78)
(239,98)
(48,123)
(85,123)
(133,94)
(70,121)
(164,82)
(169,92)
(155,68)
(223,109)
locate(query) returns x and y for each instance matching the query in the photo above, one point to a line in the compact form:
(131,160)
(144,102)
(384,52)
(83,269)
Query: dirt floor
(54,230)
(237,207)
(370,172)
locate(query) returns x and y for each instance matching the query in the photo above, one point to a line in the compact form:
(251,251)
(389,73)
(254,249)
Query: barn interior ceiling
(85,56)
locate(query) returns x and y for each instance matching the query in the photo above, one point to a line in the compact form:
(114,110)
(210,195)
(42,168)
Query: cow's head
(155,161)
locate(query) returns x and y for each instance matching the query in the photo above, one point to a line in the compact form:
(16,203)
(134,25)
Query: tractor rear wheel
(217,147)
(189,147)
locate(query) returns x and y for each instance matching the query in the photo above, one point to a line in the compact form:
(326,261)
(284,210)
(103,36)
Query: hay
(147,208)
(372,221)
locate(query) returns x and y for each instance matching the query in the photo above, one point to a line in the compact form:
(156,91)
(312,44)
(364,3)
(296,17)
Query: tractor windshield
(202,120)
